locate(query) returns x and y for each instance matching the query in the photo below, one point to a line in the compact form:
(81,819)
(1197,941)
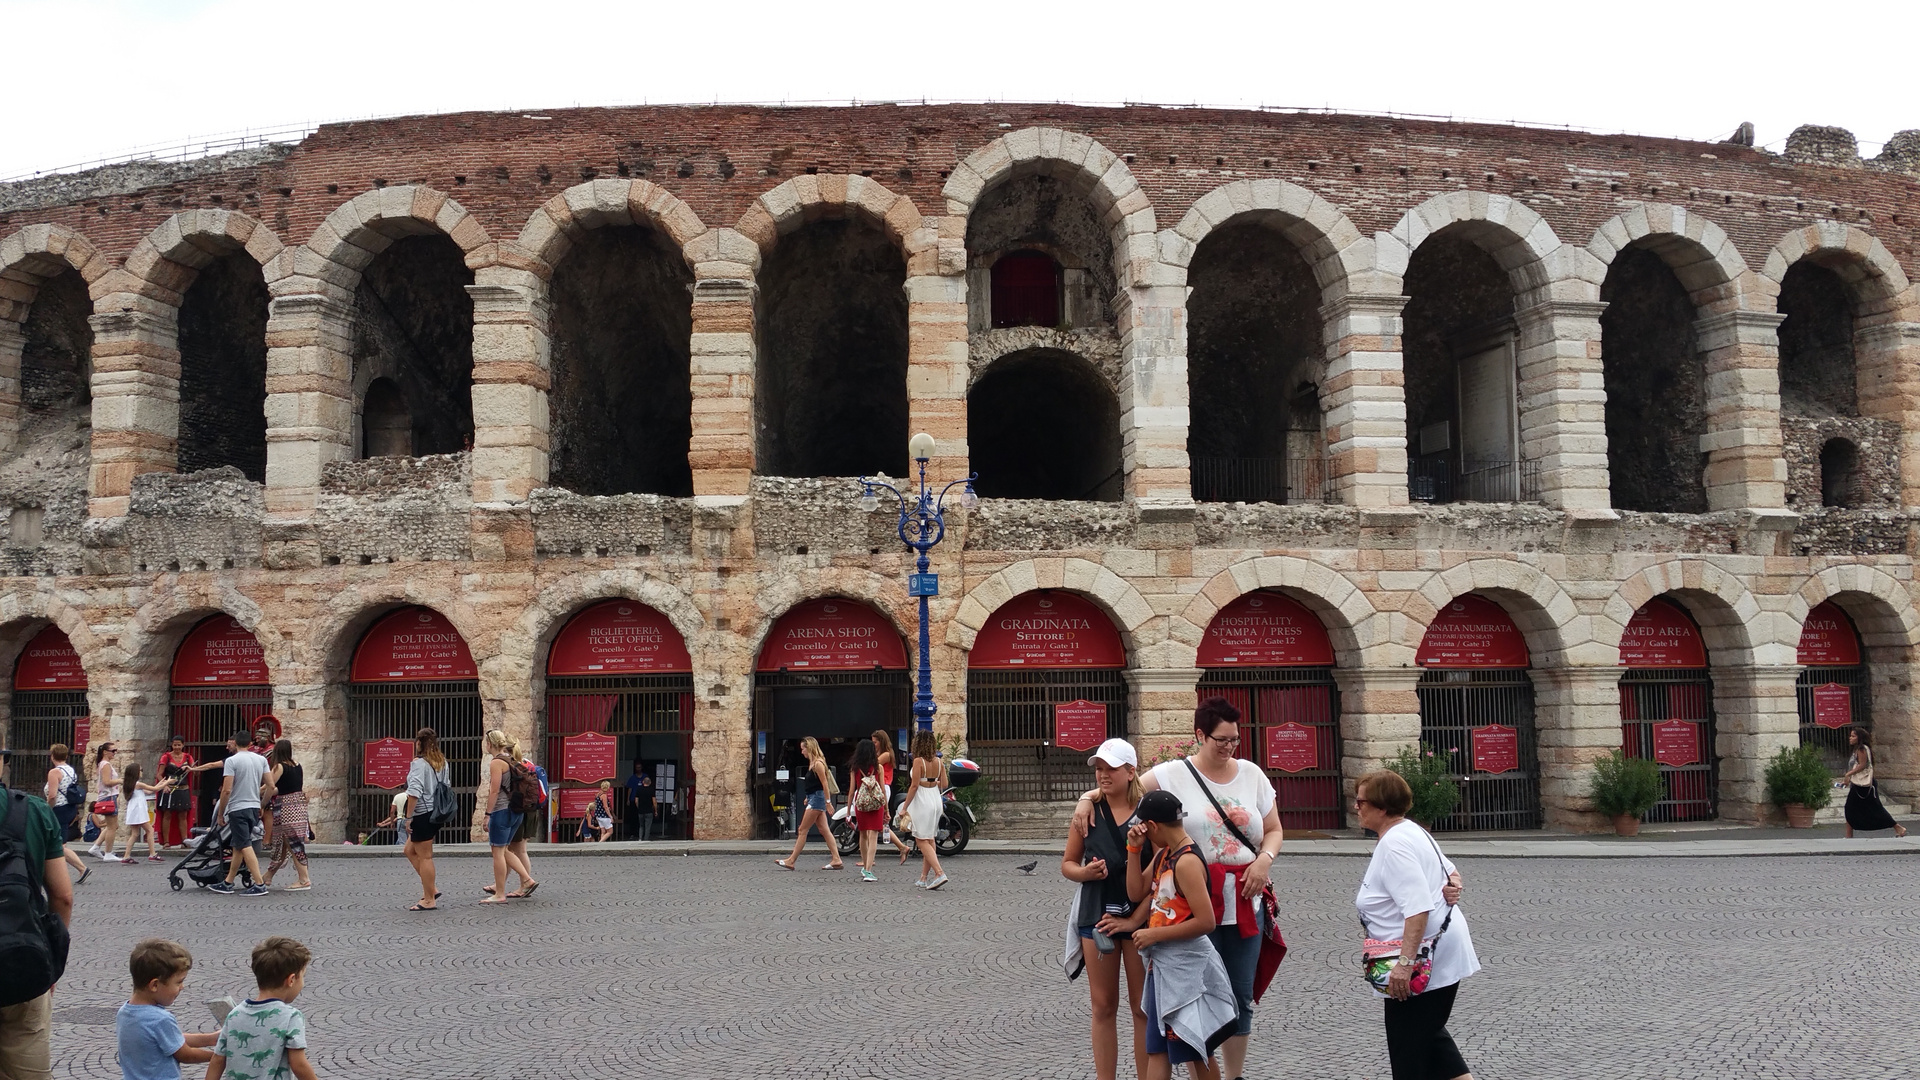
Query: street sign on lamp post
(923,523)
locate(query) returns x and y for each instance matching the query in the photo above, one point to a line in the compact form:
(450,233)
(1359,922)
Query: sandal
(494,900)
(783,864)
(424,907)
(835,866)
(527,890)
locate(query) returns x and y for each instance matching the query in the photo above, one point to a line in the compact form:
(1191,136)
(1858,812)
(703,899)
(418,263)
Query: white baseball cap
(1115,752)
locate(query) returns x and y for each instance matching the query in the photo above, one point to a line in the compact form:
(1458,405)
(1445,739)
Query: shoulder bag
(1227,908)
(1379,955)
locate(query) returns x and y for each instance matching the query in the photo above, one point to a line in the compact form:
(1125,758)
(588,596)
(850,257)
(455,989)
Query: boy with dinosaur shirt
(265,1038)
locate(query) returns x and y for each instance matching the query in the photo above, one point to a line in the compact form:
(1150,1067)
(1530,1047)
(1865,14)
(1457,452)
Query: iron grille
(613,705)
(1010,728)
(1260,479)
(1439,479)
(204,716)
(1833,741)
(396,711)
(39,719)
(1452,704)
(1269,697)
(1653,696)
(786,702)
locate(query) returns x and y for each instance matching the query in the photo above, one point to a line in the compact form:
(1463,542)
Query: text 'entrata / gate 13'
(1476,709)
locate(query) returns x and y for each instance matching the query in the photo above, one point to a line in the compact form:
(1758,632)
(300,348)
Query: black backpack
(33,940)
(76,792)
(444,804)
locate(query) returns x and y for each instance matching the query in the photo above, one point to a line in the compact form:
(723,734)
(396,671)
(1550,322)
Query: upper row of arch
(1344,260)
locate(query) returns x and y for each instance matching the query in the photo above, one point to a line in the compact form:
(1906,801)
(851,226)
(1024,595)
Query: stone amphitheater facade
(1386,252)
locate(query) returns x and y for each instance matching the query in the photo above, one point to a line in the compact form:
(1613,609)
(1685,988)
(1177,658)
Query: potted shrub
(1624,789)
(1430,775)
(1798,782)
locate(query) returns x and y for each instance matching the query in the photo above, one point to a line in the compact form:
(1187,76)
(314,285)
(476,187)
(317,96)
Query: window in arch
(1839,473)
(387,422)
(1026,290)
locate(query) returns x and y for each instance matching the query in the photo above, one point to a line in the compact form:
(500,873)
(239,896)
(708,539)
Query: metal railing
(203,717)
(1832,741)
(1452,704)
(1010,729)
(397,710)
(1260,479)
(40,719)
(1438,479)
(1652,696)
(1309,798)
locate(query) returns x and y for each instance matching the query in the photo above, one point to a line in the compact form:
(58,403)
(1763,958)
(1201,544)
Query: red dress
(867,820)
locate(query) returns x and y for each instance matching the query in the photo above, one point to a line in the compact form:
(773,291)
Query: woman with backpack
(429,784)
(289,781)
(531,828)
(66,795)
(869,803)
(503,789)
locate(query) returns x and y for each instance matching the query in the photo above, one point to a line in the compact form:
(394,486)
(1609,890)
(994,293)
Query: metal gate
(204,716)
(1651,697)
(1010,728)
(824,704)
(1833,741)
(1455,701)
(1269,697)
(396,710)
(613,705)
(40,718)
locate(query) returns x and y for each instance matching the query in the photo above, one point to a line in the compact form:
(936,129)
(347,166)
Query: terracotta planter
(1626,825)
(1799,815)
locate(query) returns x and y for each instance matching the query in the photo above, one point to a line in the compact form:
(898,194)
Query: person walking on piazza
(1097,858)
(506,796)
(926,780)
(427,776)
(289,781)
(883,746)
(1417,949)
(36,929)
(1864,810)
(819,787)
(867,803)
(519,861)
(67,796)
(106,801)
(242,777)
(138,797)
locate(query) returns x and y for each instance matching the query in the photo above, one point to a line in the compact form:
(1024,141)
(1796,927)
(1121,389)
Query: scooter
(956,821)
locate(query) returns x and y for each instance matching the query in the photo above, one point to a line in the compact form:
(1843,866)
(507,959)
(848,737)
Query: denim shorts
(501,825)
(1159,1039)
(817,801)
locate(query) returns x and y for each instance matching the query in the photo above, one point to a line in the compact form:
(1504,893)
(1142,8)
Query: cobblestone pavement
(726,966)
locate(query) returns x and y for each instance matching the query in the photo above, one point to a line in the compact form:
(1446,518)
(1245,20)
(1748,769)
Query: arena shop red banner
(49,663)
(1265,629)
(1472,631)
(1833,705)
(1661,635)
(413,644)
(384,763)
(220,652)
(1048,628)
(1080,725)
(1496,748)
(833,635)
(1292,747)
(1676,742)
(619,637)
(1827,638)
(591,758)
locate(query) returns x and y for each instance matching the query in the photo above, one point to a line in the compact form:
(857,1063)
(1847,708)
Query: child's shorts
(1159,1039)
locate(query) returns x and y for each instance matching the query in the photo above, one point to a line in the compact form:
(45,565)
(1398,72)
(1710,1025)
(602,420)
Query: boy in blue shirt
(152,1046)
(265,1037)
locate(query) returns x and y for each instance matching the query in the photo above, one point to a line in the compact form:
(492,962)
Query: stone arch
(1734,628)
(1698,251)
(1342,257)
(811,198)
(1520,240)
(884,594)
(334,632)
(163,264)
(554,227)
(370,222)
(38,252)
(1881,289)
(523,647)
(1114,594)
(1346,612)
(1557,634)
(1881,606)
(157,627)
(1088,167)
(24,614)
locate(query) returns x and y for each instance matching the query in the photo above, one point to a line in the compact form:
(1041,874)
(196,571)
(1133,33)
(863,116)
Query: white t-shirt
(1404,879)
(1247,800)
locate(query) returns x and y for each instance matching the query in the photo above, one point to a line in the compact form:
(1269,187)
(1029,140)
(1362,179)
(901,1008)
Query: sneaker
(84,875)
(95,851)
(253,890)
(920,884)
(155,858)
(108,856)
(936,882)
(867,875)
(224,888)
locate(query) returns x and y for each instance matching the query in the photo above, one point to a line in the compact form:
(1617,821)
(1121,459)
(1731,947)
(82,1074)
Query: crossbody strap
(1442,859)
(1218,809)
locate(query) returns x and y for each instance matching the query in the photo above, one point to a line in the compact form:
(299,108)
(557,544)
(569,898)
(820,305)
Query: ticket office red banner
(1676,742)
(1660,635)
(220,651)
(49,663)
(1496,748)
(1080,725)
(1827,638)
(413,644)
(1264,629)
(1292,748)
(1048,628)
(619,637)
(1833,705)
(1472,631)
(591,758)
(833,635)
(575,800)
(384,763)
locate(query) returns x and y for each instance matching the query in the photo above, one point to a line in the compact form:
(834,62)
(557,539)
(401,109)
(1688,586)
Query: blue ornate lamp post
(923,522)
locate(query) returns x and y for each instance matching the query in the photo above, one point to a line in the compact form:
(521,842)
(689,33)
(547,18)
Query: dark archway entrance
(1833,690)
(1656,388)
(56,361)
(220,688)
(413,325)
(223,368)
(1666,710)
(412,670)
(1476,707)
(1043,424)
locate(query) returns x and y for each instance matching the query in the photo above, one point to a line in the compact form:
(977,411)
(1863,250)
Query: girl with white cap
(1096,858)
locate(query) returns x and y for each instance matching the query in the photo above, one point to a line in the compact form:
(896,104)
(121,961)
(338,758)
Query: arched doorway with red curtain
(48,706)
(1833,689)
(220,688)
(620,691)
(1476,707)
(411,670)
(834,669)
(1271,658)
(1046,685)
(1666,709)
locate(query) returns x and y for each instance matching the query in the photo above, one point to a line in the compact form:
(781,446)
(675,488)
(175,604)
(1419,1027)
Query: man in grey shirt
(240,780)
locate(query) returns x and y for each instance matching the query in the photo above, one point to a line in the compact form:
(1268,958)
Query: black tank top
(1107,839)
(292,778)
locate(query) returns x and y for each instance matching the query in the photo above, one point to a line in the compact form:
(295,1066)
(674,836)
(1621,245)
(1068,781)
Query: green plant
(1626,785)
(977,796)
(1797,775)
(1430,774)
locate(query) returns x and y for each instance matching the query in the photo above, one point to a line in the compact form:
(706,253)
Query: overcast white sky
(93,78)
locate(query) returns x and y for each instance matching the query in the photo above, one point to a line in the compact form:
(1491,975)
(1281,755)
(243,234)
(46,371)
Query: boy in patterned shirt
(265,1038)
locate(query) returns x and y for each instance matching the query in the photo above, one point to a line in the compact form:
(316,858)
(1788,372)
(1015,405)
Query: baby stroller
(206,863)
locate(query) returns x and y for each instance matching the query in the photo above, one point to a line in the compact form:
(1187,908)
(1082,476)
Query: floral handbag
(1378,956)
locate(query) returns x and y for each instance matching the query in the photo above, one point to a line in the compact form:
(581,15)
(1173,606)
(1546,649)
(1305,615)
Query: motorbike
(956,821)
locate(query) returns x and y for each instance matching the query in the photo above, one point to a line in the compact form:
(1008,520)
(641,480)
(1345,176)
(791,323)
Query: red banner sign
(384,763)
(1472,631)
(575,800)
(49,663)
(1827,638)
(591,758)
(1265,629)
(1292,748)
(82,735)
(618,637)
(1496,748)
(220,651)
(1048,628)
(1080,725)
(833,635)
(1833,705)
(1660,635)
(1676,742)
(414,644)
